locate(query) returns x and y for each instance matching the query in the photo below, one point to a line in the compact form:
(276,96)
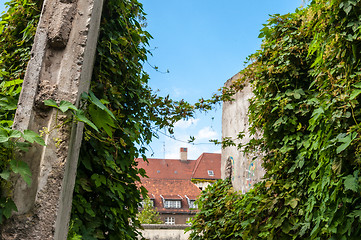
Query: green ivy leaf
(5,175)
(102,120)
(80,116)
(4,136)
(351,183)
(355,213)
(99,180)
(21,168)
(9,207)
(31,137)
(355,93)
(293,203)
(15,134)
(100,105)
(357,85)
(85,184)
(347,9)
(51,103)
(65,106)
(346,141)
(8,103)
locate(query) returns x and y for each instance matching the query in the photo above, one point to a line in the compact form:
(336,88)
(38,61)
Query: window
(169,220)
(172,204)
(192,204)
(210,173)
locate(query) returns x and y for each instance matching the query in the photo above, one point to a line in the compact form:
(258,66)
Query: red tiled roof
(191,197)
(167,168)
(206,162)
(172,197)
(171,189)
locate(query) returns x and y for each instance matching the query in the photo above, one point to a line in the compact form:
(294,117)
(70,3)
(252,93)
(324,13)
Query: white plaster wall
(247,169)
(202,185)
(165,234)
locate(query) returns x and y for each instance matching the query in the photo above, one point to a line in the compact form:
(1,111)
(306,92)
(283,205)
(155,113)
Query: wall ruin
(244,168)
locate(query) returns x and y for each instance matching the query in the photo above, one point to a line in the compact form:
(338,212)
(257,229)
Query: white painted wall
(202,185)
(164,232)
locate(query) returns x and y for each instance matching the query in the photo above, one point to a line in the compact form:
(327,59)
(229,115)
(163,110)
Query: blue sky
(202,43)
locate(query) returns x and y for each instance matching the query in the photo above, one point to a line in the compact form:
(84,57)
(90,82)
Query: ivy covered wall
(306,80)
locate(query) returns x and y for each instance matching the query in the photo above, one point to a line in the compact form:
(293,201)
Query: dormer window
(172,201)
(192,204)
(172,204)
(210,173)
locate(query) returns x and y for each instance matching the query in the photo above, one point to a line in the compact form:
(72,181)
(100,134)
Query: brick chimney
(183,154)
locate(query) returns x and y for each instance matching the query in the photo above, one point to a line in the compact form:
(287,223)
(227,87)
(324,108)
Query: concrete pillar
(60,68)
(244,169)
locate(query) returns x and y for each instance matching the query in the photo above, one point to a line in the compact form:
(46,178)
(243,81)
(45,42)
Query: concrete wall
(60,68)
(164,232)
(246,168)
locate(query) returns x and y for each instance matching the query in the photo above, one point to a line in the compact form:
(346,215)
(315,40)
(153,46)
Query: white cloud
(172,147)
(206,133)
(179,92)
(186,123)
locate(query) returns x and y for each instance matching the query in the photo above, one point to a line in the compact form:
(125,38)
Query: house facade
(171,186)
(207,170)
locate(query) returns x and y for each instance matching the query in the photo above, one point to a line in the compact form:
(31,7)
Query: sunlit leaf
(5,175)
(65,106)
(31,137)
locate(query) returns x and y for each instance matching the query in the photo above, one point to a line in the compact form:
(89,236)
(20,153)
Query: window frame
(192,204)
(169,220)
(170,203)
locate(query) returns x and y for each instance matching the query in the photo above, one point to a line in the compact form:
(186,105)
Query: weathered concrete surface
(164,232)
(60,68)
(61,24)
(244,169)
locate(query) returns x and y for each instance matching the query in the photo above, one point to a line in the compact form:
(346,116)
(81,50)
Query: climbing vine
(17,28)
(121,113)
(107,168)
(306,82)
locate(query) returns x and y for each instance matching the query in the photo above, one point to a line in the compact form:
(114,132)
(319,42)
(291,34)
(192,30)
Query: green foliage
(306,81)
(148,215)
(77,114)
(121,115)
(215,220)
(106,197)
(126,113)
(17,28)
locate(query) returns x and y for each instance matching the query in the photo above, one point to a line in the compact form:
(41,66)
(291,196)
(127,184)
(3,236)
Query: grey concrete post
(60,68)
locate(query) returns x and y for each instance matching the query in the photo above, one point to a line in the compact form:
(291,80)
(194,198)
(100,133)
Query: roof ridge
(197,164)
